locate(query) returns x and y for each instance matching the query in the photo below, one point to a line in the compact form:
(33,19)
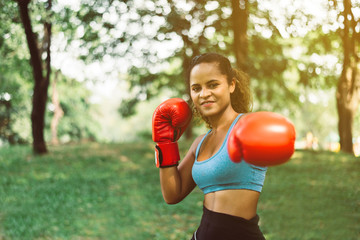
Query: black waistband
(215,226)
(223,218)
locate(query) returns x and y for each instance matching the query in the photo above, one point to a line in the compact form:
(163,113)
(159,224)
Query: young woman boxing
(228,163)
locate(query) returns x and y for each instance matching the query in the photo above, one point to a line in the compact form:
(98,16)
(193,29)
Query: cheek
(223,91)
(193,96)
(224,95)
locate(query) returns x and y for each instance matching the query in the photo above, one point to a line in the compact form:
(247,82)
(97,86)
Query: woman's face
(209,89)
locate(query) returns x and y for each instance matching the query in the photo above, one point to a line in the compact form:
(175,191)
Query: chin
(209,113)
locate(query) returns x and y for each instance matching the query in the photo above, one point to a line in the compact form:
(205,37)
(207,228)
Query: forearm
(170,181)
(169,121)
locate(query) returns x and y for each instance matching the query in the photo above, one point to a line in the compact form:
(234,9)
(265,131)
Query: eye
(213,85)
(195,89)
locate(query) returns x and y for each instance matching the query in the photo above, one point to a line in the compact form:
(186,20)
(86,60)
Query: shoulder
(191,154)
(245,114)
(195,143)
(242,115)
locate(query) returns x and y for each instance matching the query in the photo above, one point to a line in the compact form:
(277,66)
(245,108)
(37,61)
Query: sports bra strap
(227,134)
(200,143)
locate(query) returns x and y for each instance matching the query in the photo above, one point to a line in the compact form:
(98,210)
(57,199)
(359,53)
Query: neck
(223,121)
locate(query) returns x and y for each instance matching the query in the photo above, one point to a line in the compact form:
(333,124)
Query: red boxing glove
(262,139)
(169,121)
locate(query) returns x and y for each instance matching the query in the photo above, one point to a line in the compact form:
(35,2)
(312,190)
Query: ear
(232,85)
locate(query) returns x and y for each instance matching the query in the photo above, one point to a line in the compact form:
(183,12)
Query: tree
(332,61)
(348,87)
(240,16)
(41,82)
(247,35)
(73,106)
(58,111)
(211,26)
(186,24)
(15,83)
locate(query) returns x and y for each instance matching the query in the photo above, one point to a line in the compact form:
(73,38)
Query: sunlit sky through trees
(107,70)
(107,77)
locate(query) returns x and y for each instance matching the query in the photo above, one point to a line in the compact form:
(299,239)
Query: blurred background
(103,66)
(80,79)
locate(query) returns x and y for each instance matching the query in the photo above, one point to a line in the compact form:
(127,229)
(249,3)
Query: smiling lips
(206,103)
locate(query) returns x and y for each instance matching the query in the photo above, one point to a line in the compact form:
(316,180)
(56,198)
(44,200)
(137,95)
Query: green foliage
(78,121)
(208,27)
(112,191)
(171,22)
(98,28)
(127,107)
(267,67)
(284,62)
(319,66)
(316,115)
(146,85)
(15,78)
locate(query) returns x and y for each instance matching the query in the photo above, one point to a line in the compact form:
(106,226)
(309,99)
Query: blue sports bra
(220,173)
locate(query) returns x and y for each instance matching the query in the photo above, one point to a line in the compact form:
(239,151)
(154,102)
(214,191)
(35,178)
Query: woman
(221,95)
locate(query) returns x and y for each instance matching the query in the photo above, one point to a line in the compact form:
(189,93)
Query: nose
(205,93)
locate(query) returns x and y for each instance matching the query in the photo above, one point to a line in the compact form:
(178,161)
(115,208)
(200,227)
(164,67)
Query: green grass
(112,191)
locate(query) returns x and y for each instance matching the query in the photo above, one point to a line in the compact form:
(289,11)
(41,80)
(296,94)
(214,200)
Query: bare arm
(177,182)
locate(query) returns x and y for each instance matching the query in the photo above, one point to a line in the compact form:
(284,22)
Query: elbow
(171,201)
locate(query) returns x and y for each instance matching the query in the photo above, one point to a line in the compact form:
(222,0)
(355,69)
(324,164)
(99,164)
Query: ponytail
(241,99)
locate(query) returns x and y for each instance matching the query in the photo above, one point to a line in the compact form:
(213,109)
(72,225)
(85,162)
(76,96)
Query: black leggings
(220,226)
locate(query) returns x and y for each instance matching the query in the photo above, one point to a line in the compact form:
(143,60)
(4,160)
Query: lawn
(111,191)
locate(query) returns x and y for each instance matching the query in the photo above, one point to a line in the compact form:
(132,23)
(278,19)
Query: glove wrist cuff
(167,154)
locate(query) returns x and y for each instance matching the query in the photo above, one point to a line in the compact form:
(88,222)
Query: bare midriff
(241,203)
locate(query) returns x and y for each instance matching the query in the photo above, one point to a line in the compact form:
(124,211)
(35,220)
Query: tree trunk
(5,120)
(41,83)
(185,64)
(348,89)
(58,112)
(240,17)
